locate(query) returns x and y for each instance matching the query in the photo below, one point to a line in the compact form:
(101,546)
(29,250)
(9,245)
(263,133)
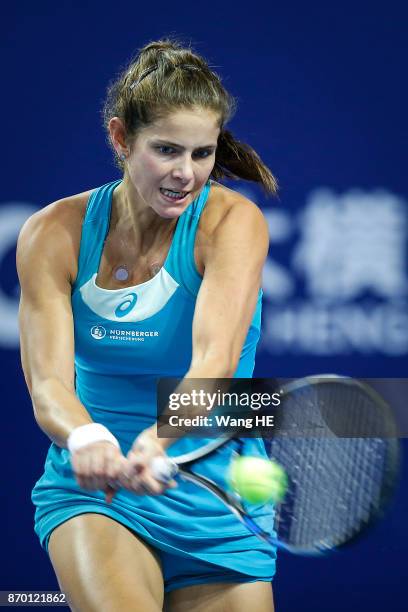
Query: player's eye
(203,153)
(165,150)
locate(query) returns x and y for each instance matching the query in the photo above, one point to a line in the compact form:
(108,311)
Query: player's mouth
(173,196)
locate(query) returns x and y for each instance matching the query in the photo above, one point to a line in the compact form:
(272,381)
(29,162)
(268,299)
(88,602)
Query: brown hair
(165,76)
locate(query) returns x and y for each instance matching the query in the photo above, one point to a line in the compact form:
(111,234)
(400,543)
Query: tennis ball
(258,480)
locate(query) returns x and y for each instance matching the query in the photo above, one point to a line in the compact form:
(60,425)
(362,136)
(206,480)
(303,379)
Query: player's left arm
(229,290)
(233,257)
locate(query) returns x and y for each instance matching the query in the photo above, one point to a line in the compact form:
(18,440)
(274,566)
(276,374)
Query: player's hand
(97,466)
(137,476)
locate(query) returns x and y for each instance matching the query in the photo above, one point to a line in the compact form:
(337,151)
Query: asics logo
(127,305)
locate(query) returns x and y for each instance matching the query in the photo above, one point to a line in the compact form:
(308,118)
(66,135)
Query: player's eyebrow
(178,146)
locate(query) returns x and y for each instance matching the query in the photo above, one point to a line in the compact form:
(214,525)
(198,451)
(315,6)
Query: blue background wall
(322,97)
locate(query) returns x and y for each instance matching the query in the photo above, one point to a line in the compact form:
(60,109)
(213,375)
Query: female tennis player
(156,274)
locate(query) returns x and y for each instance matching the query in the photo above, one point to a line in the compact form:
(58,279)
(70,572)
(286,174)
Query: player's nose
(183,170)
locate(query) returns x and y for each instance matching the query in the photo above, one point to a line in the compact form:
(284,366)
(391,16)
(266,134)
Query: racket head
(340,478)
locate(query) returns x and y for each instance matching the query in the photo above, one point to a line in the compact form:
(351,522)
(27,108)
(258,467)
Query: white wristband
(87,434)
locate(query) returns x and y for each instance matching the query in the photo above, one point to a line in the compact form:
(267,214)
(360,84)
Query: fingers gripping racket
(338,444)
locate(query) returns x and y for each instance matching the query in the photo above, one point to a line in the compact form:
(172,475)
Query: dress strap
(94,230)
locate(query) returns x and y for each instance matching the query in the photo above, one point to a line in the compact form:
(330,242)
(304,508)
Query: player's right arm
(45,266)
(47,254)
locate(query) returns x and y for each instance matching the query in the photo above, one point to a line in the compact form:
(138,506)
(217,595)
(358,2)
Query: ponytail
(235,159)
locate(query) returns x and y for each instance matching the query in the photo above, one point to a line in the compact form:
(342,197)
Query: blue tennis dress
(125,339)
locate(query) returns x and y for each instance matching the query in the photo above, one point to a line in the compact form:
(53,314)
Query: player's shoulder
(229,207)
(63,216)
(54,232)
(58,221)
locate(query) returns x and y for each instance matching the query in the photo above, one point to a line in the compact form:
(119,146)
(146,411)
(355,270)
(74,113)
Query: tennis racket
(338,444)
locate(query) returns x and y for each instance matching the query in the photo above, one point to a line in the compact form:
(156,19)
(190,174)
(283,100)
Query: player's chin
(173,212)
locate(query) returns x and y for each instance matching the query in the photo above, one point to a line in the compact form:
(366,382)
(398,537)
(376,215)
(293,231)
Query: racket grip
(163,469)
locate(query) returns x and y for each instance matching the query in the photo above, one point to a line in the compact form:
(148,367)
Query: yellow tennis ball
(258,480)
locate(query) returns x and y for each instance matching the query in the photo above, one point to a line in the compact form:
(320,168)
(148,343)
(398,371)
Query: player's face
(176,153)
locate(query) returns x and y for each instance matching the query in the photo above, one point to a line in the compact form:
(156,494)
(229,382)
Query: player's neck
(134,220)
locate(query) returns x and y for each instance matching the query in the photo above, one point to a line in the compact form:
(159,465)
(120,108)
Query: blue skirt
(188,521)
